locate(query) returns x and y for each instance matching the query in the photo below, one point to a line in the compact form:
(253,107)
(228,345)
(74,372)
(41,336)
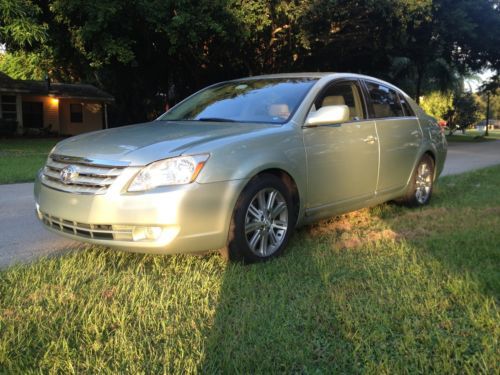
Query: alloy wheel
(423,183)
(266,222)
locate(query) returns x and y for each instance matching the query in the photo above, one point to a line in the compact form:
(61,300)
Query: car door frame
(315,212)
(395,190)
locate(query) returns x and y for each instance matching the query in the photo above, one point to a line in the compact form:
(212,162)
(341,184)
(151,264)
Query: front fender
(241,159)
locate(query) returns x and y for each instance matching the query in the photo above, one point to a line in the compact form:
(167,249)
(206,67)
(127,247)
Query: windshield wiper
(215,119)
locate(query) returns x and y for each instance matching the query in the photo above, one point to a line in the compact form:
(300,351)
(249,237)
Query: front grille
(95,231)
(90,178)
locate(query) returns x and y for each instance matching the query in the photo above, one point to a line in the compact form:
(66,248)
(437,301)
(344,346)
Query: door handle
(370,140)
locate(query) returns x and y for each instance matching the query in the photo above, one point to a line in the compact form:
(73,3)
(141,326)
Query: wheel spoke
(261,197)
(254,211)
(279,224)
(419,195)
(280,207)
(255,239)
(271,200)
(252,226)
(273,238)
(263,243)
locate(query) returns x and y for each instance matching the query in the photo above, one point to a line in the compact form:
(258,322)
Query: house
(38,107)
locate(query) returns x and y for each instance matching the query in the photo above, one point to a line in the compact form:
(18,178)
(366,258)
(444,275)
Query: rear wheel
(421,184)
(262,221)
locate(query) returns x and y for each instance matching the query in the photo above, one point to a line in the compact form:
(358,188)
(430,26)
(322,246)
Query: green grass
(381,290)
(473,136)
(21,158)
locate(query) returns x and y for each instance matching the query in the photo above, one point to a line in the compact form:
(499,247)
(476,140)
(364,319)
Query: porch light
(54,102)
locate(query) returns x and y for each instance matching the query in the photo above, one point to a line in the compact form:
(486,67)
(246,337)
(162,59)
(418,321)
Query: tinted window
(256,100)
(385,101)
(344,93)
(406,107)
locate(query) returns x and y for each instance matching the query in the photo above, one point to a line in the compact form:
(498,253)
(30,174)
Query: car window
(272,100)
(342,93)
(406,107)
(385,101)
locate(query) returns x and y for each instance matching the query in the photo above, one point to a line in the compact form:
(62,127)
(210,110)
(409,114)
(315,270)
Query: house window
(33,115)
(76,112)
(9,111)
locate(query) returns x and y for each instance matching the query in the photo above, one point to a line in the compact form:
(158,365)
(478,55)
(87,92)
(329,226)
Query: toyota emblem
(68,174)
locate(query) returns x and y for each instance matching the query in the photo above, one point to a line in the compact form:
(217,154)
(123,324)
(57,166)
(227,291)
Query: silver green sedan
(237,166)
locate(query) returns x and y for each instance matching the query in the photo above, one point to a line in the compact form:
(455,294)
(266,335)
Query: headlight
(173,171)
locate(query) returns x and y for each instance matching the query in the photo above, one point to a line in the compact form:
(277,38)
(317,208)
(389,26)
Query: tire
(422,182)
(263,220)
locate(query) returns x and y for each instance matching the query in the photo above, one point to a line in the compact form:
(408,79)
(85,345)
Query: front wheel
(422,182)
(262,221)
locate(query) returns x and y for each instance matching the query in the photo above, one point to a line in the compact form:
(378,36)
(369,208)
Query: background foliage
(151,52)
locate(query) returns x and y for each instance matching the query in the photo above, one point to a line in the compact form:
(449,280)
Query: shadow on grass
(380,290)
(385,290)
(278,317)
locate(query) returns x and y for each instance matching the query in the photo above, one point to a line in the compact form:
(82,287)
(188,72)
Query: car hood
(141,144)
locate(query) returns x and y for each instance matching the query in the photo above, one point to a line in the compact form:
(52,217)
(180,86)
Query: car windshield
(272,100)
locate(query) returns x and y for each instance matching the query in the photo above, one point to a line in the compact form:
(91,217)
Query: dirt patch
(364,238)
(354,229)
(344,223)
(350,243)
(10,314)
(384,235)
(48,291)
(108,294)
(492,210)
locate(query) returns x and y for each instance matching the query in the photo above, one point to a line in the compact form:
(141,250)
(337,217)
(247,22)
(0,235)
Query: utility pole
(487,113)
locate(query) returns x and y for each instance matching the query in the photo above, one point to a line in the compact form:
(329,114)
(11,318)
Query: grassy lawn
(381,290)
(473,136)
(21,158)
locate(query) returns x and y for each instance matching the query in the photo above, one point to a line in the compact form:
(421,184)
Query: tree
(147,51)
(443,40)
(437,104)
(465,112)
(270,35)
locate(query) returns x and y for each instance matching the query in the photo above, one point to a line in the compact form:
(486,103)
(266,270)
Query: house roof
(58,90)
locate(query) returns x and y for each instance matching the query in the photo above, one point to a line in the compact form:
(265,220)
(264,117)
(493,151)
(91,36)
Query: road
(464,156)
(23,238)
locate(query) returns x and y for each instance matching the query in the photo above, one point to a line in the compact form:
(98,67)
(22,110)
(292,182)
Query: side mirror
(330,114)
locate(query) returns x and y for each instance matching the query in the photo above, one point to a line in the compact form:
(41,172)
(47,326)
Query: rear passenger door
(399,136)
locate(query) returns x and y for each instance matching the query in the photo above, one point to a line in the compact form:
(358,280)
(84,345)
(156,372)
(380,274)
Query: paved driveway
(22,237)
(464,156)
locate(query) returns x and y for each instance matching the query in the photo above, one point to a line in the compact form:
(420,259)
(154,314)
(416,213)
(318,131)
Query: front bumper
(192,217)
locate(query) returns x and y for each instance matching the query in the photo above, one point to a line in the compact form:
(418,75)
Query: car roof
(316,75)
(319,75)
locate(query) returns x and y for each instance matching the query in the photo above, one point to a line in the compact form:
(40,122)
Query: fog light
(146,233)
(153,233)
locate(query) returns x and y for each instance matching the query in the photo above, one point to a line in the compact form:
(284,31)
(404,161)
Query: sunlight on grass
(474,136)
(380,290)
(21,158)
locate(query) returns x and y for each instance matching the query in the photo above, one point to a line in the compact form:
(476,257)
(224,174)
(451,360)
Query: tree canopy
(148,52)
